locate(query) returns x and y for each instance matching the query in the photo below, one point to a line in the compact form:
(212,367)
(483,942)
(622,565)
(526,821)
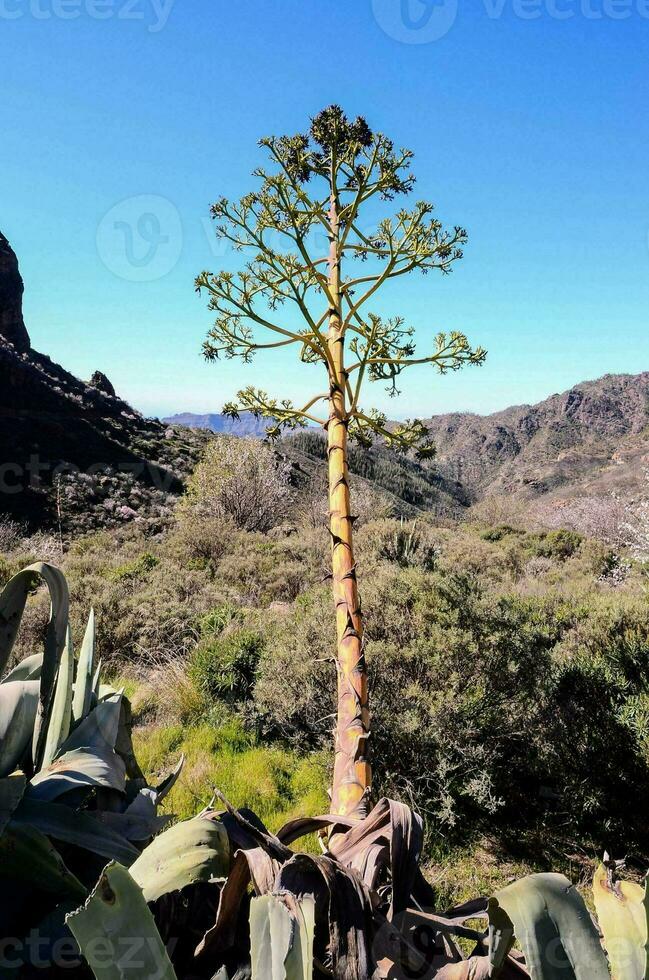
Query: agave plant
(72,796)
(362,911)
(89,867)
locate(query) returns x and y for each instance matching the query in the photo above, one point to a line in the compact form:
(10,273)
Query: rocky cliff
(12,325)
(72,451)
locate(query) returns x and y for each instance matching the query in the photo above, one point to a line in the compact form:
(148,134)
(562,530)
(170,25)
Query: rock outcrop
(102,383)
(12,325)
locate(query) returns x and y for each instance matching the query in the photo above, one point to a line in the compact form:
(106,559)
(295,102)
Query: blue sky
(529,123)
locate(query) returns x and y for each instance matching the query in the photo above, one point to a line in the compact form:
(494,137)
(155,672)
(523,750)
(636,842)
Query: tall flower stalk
(327,182)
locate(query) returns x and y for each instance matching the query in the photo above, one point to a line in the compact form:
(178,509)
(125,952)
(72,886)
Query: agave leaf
(191,851)
(117,921)
(55,642)
(18,708)
(28,669)
(11,793)
(168,783)
(132,827)
(124,740)
(303,826)
(99,728)
(27,854)
(96,681)
(281,941)
(252,865)
(85,671)
(77,828)
(551,922)
(58,727)
(622,910)
(86,767)
(344,901)
(391,830)
(105,690)
(12,605)
(304,913)
(139,821)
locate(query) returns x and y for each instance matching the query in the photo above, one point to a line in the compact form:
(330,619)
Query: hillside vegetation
(559,460)
(508,667)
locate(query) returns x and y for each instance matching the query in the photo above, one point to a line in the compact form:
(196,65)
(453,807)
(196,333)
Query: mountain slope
(73,452)
(584,442)
(590,439)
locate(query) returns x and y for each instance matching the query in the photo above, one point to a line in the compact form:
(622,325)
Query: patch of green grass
(276,783)
(128,685)
(460,874)
(215,621)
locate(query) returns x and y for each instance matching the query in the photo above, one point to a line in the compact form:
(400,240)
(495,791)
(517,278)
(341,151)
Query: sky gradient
(122,120)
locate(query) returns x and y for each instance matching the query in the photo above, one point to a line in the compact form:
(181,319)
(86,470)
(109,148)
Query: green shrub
(216,620)
(404,543)
(559,545)
(499,532)
(224,668)
(242,480)
(136,569)
(198,537)
(260,570)
(488,711)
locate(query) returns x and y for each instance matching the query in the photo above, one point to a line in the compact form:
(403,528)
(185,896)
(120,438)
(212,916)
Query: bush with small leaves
(559,544)
(224,668)
(135,570)
(11,533)
(243,480)
(499,532)
(199,537)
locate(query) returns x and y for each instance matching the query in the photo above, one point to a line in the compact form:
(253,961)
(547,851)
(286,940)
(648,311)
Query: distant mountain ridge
(587,441)
(217,422)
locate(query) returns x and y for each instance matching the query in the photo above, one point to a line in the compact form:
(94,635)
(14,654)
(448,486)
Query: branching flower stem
(353,166)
